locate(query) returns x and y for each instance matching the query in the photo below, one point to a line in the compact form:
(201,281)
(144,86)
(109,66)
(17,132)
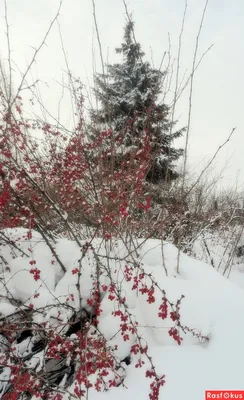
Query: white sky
(219,85)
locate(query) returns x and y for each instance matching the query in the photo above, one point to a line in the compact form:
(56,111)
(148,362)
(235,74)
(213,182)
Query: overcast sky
(219,84)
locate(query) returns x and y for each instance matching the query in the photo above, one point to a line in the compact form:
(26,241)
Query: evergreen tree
(129,95)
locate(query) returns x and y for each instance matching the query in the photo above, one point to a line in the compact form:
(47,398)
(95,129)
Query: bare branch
(191,92)
(36,53)
(211,161)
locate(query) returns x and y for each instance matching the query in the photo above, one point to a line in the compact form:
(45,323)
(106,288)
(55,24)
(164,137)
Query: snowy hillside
(32,284)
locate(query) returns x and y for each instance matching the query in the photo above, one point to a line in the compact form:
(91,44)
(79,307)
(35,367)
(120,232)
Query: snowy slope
(212,305)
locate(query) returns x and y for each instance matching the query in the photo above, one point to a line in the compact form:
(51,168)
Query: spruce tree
(129,95)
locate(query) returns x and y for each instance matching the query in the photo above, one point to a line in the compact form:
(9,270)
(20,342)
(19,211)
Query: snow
(222,252)
(212,305)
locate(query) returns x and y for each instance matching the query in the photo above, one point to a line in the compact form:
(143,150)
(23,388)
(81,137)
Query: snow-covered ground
(212,305)
(220,249)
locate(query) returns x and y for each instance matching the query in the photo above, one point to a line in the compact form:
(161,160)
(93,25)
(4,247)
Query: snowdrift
(212,306)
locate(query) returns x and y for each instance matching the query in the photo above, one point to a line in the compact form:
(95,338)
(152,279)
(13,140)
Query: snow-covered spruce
(129,99)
